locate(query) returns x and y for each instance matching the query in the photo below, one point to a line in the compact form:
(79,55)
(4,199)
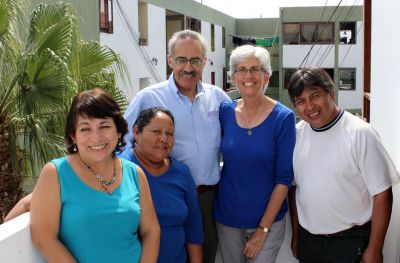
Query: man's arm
(21,207)
(381,212)
(294,220)
(130,115)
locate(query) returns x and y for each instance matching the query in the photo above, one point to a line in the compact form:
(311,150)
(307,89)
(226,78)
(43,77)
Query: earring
(119,142)
(75,148)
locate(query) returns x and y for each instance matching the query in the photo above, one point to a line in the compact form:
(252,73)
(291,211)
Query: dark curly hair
(95,103)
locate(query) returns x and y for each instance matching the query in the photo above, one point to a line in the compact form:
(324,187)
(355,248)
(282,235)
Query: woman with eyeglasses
(258,138)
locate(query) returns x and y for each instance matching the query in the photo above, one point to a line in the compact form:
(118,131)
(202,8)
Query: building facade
(140,30)
(327,37)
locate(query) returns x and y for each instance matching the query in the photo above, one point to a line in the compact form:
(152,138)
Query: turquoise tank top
(95,226)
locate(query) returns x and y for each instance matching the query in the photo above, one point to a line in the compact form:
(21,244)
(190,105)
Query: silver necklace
(104,183)
(249,131)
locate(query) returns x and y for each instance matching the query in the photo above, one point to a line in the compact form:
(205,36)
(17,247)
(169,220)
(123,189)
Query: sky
(266,8)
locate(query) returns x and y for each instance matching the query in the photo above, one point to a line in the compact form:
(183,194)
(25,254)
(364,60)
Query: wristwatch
(265,229)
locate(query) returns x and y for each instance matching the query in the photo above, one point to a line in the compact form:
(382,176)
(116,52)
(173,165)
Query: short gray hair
(187,34)
(245,52)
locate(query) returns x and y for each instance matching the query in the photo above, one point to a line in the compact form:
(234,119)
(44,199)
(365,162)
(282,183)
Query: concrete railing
(15,242)
(16,245)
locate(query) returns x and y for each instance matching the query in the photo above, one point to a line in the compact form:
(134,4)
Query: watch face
(266,229)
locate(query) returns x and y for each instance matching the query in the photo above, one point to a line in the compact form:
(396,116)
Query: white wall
(123,44)
(157,39)
(385,106)
(217,57)
(293,55)
(351,56)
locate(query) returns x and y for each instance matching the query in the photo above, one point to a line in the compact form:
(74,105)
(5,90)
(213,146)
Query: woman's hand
(254,245)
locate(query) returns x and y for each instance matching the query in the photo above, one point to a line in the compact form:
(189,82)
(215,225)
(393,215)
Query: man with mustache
(195,107)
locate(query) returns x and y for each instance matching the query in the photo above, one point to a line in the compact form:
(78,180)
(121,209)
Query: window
(106,16)
(143,25)
(347,78)
(308,33)
(348,33)
(193,24)
(212,37)
(274,79)
(291,33)
(225,79)
(287,75)
(223,37)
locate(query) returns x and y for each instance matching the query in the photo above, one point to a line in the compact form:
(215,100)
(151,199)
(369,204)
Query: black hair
(309,78)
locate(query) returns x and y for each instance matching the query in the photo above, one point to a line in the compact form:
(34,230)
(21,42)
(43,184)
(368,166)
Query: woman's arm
(256,242)
(193,224)
(45,217)
(21,207)
(195,253)
(149,228)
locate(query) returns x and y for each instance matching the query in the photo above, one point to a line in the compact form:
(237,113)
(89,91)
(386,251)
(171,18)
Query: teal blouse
(95,226)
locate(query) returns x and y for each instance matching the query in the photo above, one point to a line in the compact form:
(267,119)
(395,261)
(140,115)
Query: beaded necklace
(104,183)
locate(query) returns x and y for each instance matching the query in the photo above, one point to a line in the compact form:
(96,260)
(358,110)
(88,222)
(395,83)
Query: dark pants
(343,247)
(206,201)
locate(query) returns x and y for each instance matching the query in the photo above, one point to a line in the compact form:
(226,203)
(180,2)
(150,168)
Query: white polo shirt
(337,172)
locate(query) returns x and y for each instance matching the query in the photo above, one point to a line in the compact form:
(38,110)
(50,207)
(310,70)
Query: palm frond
(35,142)
(95,57)
(44,85)
(5,17)
(52,27)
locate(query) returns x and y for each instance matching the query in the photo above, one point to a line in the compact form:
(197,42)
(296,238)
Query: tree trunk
(10,180)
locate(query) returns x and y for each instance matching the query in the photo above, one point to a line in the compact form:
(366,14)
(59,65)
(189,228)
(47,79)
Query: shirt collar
(330,124)
(172,86)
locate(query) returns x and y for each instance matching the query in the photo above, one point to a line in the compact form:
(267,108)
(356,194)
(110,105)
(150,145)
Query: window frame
(106,17)
(352,81)
(345,26)
(295,31)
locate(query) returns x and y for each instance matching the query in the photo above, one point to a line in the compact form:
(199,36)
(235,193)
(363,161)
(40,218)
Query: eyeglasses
(243,71)
(181,61)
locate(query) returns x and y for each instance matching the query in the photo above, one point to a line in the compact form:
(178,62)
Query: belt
(204,188)
(365,227)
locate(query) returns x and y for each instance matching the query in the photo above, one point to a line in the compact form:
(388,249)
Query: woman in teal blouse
(91,206)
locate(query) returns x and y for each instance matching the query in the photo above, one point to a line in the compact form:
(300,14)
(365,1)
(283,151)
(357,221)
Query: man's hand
(293,246)
(372,255)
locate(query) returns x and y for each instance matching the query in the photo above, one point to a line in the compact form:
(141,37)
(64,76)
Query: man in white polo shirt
(343,177)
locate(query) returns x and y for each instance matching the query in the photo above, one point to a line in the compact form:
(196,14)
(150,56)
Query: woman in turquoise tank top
(91,206)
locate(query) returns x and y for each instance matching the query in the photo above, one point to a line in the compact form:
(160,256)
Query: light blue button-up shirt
(197,128)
